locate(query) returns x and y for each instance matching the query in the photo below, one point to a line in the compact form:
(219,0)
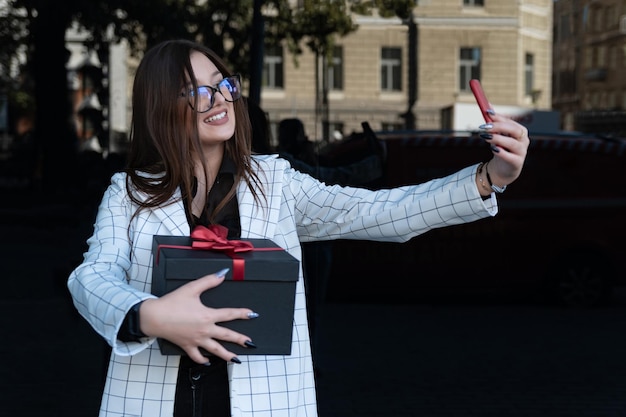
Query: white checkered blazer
(116,274)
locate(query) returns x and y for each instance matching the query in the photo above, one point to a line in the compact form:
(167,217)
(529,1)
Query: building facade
(589,86)
(396,74)
(376,76)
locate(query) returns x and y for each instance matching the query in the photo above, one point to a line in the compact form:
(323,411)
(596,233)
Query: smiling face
(217,125)
(168,136)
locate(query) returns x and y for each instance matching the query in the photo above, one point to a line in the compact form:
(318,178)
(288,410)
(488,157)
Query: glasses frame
(235,78)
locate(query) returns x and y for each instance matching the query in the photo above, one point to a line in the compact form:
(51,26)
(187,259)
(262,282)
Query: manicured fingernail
(486,136)
(250,344)
(253,315)
(207,363)
(491,112)
(222,273)
(235,360)
(485,126)
(495,148)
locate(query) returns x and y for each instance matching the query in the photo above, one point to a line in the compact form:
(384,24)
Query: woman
(190,163)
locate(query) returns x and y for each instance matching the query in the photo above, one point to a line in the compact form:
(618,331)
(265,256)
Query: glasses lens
(230,88)
(203,93)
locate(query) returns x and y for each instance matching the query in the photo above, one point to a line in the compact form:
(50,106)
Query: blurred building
(552,56)
(98,83)
(589,86)
(398,74)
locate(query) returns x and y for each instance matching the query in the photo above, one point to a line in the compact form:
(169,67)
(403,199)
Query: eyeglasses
(229,88)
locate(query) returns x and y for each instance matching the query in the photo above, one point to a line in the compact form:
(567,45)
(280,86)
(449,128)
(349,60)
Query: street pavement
(375,360)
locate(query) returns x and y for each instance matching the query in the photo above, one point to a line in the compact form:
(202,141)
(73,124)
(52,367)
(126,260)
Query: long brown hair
(164,136)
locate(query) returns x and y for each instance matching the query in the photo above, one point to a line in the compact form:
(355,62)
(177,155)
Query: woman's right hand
(181,318)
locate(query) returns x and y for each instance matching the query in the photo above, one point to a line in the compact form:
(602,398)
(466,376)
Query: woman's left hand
(509,143)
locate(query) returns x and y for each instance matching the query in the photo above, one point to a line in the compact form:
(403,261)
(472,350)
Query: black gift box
(268,288)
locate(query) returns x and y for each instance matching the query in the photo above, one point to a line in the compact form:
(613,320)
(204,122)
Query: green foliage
(226,26)
(398,8)
(13,38)
(318,22)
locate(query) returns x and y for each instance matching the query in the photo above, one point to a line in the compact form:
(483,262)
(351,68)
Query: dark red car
(560,234)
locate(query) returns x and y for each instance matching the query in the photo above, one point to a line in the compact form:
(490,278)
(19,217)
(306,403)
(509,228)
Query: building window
(595,100)
(601,61)
(599,20)
(273,67)
(612,18)
(335,69)
(473,3)
(469,67)
(529,74)
(613,51)
(611,100)
(391,69)
(588,58)
(564,27)
(391,126)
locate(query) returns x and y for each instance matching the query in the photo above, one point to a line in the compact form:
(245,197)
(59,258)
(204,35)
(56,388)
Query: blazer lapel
(256,221)
(172,217)
(260,221)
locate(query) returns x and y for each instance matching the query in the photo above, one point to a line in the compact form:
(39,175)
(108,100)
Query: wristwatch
(494,187)
(130,330)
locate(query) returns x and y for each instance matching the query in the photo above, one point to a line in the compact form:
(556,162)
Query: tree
(317,23)
(38,29)
(47,57)
(18,91)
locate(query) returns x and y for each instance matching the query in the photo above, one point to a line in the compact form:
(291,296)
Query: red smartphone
(481,99)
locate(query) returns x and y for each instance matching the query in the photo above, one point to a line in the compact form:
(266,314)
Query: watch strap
(130,330)
(495,188)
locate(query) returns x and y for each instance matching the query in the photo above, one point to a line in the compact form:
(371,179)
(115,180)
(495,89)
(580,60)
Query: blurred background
(380,96)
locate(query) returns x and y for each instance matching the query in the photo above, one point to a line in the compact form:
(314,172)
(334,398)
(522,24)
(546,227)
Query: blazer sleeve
(394,215)
(100,286)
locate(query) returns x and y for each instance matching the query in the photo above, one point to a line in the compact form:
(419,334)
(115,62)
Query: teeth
(217,117)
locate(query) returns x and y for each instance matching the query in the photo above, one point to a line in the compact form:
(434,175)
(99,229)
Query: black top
(229,215)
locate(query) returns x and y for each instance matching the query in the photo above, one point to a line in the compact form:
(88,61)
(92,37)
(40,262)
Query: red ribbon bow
(214,237)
